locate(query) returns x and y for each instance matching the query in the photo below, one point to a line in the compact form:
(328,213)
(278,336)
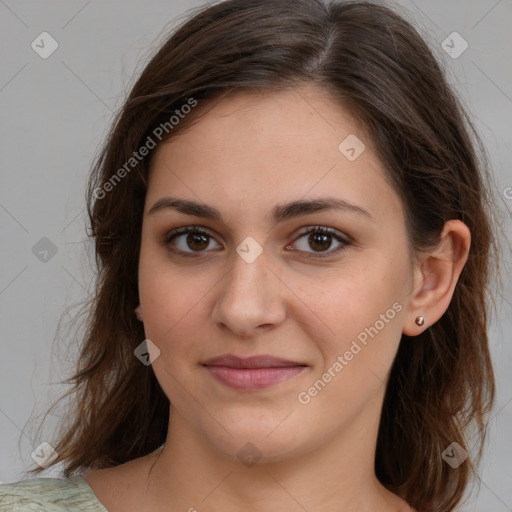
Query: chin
(252,442)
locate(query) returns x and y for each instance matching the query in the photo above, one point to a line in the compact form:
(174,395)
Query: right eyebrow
(187,207)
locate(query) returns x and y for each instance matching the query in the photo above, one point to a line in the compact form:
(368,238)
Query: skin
(249,153)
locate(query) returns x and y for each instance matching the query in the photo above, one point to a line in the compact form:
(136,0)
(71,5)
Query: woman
(294,251)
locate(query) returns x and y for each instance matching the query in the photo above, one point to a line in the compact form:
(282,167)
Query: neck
(191,474)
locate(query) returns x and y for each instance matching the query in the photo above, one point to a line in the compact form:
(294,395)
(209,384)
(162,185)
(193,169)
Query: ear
(138,313)
(435,277)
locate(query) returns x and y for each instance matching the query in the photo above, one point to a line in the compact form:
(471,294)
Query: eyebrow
(280,213)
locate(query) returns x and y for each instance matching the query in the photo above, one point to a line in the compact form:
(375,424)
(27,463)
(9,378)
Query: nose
(250,298)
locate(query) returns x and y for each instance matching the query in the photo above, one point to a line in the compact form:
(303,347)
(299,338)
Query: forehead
(304,120)
(254,150)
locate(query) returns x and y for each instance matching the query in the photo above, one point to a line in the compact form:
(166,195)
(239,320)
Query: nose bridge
(248,279)
(249,296)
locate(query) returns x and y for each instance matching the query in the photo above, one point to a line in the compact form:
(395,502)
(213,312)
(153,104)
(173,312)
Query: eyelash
(314,229)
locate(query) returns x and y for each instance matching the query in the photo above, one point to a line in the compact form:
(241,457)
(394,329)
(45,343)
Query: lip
(258,361)
(252,373)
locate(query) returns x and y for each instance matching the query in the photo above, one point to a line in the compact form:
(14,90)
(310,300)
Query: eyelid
(318,228)
(186,229)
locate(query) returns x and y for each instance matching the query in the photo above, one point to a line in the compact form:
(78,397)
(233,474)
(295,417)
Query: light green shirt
(49,495)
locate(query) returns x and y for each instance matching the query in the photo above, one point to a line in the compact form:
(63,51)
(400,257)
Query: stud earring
(420,320)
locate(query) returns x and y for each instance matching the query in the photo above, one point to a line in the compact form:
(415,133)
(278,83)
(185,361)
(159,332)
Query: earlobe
(437,276)
(138,313)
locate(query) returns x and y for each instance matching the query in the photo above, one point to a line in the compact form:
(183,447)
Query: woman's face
(256,175)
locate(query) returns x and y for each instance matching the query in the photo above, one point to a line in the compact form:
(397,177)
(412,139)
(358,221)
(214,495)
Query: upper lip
(258,361)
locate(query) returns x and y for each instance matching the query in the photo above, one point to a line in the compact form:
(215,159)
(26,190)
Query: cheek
(171,305)
(353,367)
(164,294)
(354,298)
(355,320)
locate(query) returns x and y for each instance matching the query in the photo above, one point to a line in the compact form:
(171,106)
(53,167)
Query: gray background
(54,114)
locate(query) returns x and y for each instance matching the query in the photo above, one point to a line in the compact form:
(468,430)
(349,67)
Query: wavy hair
(373,62)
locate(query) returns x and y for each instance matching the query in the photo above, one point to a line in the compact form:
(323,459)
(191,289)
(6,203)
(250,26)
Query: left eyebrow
(305,207)
(280,213)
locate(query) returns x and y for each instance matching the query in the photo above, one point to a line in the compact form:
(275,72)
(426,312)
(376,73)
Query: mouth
(252,373)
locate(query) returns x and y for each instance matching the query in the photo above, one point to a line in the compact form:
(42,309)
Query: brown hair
(373,62)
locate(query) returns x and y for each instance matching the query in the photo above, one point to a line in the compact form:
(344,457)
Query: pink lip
(251,373)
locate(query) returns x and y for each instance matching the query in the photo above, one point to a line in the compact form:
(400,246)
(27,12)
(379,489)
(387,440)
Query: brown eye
(321,242)
(197,242)
(190,240)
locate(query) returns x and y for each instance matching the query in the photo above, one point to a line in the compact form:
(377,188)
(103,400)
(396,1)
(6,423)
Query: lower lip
(253,378)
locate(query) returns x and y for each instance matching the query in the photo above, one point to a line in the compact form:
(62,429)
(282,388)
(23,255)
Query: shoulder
(49,495)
